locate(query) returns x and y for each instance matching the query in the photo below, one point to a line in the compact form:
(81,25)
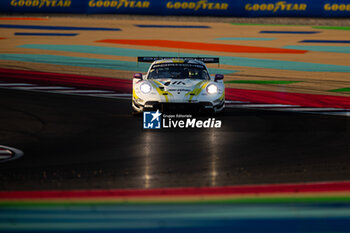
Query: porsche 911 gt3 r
(178,84)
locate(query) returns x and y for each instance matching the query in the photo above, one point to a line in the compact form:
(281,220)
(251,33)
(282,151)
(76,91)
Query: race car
(181,83)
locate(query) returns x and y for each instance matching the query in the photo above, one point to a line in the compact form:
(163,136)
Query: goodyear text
(119,4)
(41,3)
(199,5)
(278,6)
(336,7)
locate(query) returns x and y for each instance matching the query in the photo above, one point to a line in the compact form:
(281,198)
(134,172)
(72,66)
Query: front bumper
(179,107)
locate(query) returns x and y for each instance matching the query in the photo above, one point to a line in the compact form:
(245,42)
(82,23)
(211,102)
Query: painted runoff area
(286,208)
(225,60)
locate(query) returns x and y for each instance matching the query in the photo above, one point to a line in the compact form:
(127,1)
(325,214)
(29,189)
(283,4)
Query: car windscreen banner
(183,65)
(232,8)
(203,59)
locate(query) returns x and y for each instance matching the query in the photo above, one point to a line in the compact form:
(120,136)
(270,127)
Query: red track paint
(2,38)
(229,190)
(119,85)
(203,46)
(272,97)
(125,86)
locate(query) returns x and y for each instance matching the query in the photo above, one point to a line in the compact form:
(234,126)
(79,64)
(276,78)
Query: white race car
(178,84)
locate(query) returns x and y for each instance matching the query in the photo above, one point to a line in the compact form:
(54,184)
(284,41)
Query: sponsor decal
(195,6)
(178,83)
(41,3)
(179,90)
(118,4)
(274,7)
(336,7)
(157,120)
(187,65)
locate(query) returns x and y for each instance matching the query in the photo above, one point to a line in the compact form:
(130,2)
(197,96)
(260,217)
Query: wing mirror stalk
(218,77)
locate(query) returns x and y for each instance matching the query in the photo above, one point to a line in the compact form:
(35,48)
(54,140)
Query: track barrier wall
(232,8)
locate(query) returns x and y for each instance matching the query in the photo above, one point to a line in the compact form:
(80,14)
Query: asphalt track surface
(89,143)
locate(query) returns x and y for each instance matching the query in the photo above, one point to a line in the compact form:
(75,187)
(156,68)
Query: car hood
(180,90)
(179,83)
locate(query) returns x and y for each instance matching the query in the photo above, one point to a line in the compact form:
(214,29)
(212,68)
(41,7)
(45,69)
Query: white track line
(83,91)
(50,88)
(122,94)
(115,95)
(333,113)
(12,153)
(15,84)
(6,152)
(38,88)
(235,102)
(228,103)
(109,96)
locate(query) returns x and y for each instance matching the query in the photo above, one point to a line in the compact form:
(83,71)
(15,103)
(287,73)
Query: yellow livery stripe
(156,85)
(159,84)
(195,88)
(198,90)
(134,94)
(222,96)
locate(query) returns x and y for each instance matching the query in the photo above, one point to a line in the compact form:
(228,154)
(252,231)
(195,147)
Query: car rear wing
(202,59)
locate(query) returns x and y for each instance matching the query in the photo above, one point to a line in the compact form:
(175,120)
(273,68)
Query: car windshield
(178,71)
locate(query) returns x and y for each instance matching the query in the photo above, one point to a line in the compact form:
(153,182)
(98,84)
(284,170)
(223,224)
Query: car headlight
(212,88)
(145,88)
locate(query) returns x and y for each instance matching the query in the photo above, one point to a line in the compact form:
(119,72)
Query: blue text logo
(151,120)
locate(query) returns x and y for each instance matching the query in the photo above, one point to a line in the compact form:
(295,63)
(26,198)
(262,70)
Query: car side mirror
(219,77)
(137,76)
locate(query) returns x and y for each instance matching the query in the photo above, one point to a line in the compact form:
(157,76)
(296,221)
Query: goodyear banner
(232,8)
